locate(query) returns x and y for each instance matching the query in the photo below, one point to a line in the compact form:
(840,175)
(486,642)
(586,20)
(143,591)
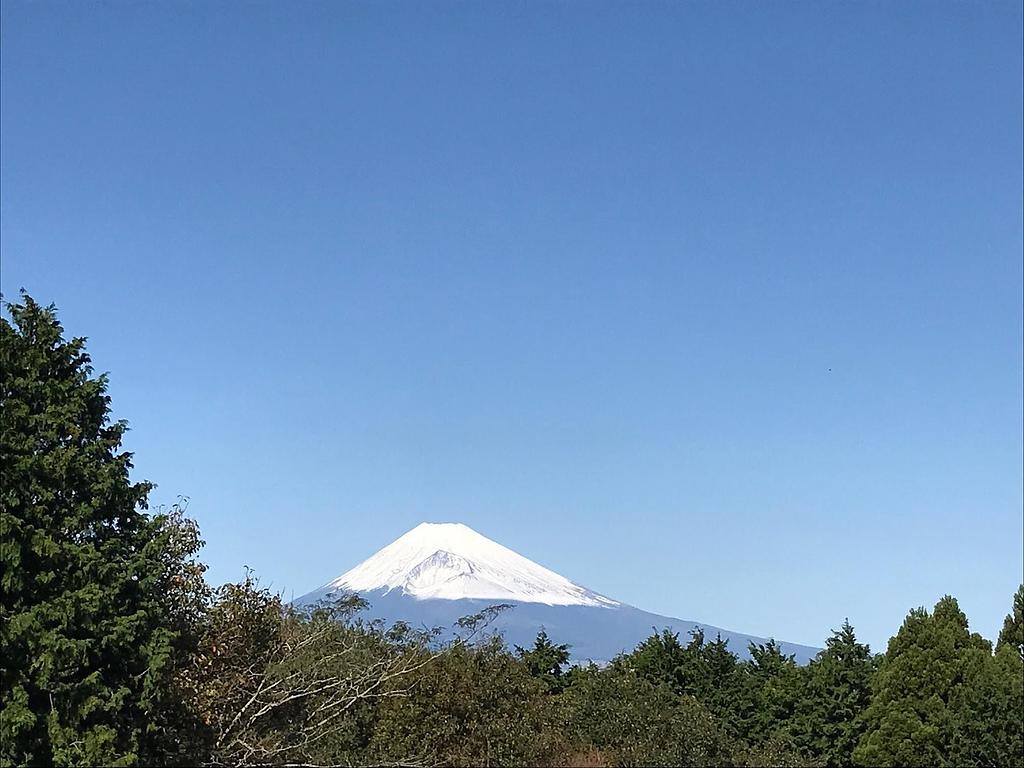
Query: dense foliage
(116,652)
(92,637)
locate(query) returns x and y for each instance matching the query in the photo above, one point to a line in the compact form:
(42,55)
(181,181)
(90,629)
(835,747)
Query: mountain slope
(439,572)
(451,561)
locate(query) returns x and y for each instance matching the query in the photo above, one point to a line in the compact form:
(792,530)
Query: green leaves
(1012,633)
(636,722)
(472,705)
(87,639)
(934,697)
(836,691)
(546,661)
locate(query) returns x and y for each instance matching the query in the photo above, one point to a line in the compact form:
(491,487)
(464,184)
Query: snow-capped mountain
(451,561)
(438,572)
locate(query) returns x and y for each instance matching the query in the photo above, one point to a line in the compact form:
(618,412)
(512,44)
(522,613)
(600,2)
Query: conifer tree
(991,730)
(836,690)
(90,643)
(546,661)
(1012,633)
(660,659)
(721,688)
(772,689)
(708,671)
(994,728)
(921,712)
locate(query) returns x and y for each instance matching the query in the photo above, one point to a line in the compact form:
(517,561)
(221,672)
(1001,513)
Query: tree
(660,660)
(1012,633)
(921,711)
(546,661)
(993,729)
(276,686)
(772,689)
(92,639)
(473,705)
(183,596)
(634,722)
(722,689)
(836,690)
(709,672)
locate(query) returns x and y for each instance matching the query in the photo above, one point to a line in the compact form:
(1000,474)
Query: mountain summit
(439,572)
(451,561)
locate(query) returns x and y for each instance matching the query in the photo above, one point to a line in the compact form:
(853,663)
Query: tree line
(116,651)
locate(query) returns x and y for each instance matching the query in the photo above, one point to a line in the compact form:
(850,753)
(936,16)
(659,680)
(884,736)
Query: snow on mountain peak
(451,561)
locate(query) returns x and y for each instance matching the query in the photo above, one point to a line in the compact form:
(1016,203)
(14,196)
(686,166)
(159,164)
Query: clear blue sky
(716,309)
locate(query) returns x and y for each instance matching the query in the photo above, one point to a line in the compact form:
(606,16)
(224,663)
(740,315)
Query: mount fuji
(439,572)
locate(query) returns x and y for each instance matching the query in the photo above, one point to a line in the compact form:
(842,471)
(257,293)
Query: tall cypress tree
(89,640)
(922,711)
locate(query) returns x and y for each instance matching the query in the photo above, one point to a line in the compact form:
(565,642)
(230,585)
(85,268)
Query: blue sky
(713,308)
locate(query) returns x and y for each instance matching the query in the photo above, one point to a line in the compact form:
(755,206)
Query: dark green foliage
(91,642)
(772,689)
(721,686)
(991,727)
(709,672)
(921,710)
(992,732)
(835,691)
(1012,633)
(546,661)
(660,660)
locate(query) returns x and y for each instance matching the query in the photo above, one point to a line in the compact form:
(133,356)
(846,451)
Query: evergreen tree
(1012,633)
(91,644)
(772,689)
(717,680)
(660,660)
(991,727)
(546,661)
(836,690)
(993,732)
(709,672)
(921,710)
